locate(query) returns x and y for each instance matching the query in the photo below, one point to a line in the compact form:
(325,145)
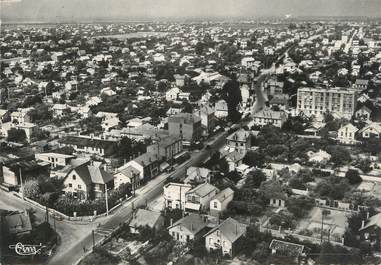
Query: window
(70,185)
(79,187)
(215,205)
(74,177)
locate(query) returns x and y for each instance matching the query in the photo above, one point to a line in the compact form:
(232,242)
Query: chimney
(171,221)
(367,215)
(192,228)
(105,167)
(362,224)
(236,229)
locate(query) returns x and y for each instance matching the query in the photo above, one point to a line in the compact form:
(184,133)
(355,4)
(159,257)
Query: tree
(31,189)
(300,206)
(254,159)
(254,179)
(16,135)
(353,177)
(339,155)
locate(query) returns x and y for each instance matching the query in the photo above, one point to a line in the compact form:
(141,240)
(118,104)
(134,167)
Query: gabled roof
(93,174)
(239,136)
(203,189)
(374,220)
(145,218)
(223,195)
(192,222)
(231,229)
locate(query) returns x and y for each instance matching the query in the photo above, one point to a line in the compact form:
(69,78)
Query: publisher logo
(27,250)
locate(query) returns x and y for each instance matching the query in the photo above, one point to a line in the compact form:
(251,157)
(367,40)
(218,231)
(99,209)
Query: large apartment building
(315,101)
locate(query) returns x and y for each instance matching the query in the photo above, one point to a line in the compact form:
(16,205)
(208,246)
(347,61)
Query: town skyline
(127,10)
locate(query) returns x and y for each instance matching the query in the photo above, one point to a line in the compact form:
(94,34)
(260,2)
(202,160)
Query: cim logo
(27,250)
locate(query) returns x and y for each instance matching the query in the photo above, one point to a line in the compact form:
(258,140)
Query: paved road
(69,232)
(71,254)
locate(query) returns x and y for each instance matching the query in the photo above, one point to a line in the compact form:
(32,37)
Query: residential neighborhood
(191,141)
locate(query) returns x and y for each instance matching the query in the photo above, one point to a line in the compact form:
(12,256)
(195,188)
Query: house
(234,159)
(239,141)
(179,79)
(198,198)
(127,175)
(371,130)
(270,117)
(188,228)
(185,125)
(208,119)
(346,134)
(247,62)
(146,166)
(319,157)
(197,175)
(146,218)
(175,195)
(245,94)
(60,110)
(18,223)
(21,115)
(90,145)
(371,231)
(87,181)
(280,100)
(363,113)
(225,236)
(27,127)
(55,159)
(361,84)
(29,169)
(166,148)
(274,87)
(278,200)
(172,94)
(220,202)
(221,109)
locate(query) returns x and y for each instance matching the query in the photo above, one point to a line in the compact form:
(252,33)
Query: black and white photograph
(190,132)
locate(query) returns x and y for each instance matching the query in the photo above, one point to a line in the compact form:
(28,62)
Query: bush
(353,177)
(31,189)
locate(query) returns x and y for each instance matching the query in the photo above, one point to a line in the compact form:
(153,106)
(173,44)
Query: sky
(93,10)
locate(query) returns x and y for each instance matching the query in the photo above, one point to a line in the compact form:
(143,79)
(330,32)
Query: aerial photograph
(190,132)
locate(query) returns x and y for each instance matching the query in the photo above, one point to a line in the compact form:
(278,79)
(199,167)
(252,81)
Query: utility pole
(106,199)
(21,182)
(47,214)
(93,234)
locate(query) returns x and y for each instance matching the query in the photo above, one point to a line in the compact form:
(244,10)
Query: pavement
(150,192)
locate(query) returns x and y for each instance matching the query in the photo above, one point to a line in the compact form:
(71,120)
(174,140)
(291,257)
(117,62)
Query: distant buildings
(208,119)
(317,101)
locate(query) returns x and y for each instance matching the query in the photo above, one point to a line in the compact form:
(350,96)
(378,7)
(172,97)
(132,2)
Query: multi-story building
(185,125)
(208,119)
(315,101)
(166,148)
(270,117)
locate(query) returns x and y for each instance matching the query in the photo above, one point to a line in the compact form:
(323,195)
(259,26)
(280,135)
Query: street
(70,254)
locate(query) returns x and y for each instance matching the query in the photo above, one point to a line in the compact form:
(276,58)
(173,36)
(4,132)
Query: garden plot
(334,224)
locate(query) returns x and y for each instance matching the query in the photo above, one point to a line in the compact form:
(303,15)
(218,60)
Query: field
(334,224)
